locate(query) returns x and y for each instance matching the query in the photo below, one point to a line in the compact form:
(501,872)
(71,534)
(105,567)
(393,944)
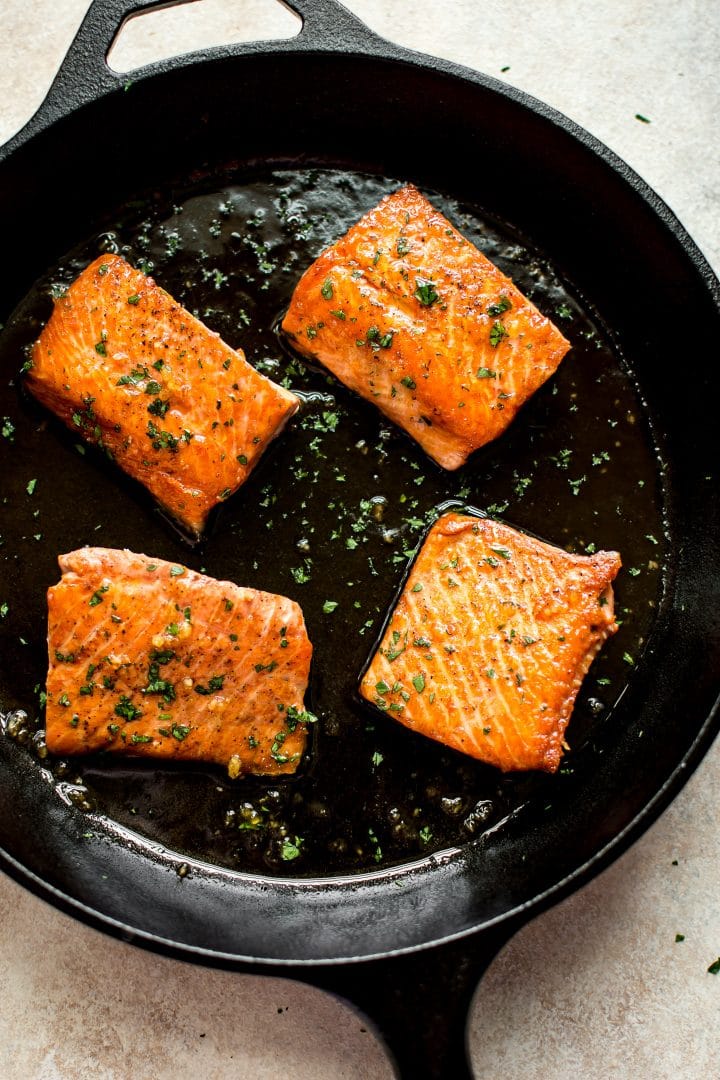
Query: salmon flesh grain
(152,659)
(130,370)
(490,641)
(409,314)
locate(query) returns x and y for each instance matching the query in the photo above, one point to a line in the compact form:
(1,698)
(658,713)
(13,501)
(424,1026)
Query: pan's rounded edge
(498,928)
(366,43)
(681,771)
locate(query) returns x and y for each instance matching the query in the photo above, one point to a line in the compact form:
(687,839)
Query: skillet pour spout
(404,943)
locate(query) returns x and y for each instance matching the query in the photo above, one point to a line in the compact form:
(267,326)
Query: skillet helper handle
(85,76)
(419,1002)
(328,24)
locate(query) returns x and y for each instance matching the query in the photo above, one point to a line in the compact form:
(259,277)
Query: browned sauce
(331,518)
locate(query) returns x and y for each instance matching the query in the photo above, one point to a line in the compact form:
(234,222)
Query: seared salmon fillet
(409,314)
(129,369)
(490,641)
(153,659)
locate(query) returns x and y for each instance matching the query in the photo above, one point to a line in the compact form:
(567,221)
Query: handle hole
(157,35)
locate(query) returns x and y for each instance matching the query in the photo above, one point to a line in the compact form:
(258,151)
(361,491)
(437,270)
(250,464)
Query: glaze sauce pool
(331,517)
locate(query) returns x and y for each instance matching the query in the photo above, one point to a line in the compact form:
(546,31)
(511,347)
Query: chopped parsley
(127,710)
(137,375)
(327,290)
(97,596)
(297,716)
(407,381)
(497,333)
(290,848)
(378,340)
(31,486)
(326,421)
(419,683)
(158,407)
(377,853)
(156,685)
(425,292)
(215,683)
(485,373)
(161,440)
(503,304)
(329,606)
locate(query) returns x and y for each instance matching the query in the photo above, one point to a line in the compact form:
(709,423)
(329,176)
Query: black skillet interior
(229,172)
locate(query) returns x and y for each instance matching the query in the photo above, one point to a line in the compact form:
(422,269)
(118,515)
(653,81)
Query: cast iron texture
(338,95)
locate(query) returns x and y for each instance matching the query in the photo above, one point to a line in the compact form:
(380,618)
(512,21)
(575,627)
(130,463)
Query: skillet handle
(419,1002)
(327,24)
(85,76)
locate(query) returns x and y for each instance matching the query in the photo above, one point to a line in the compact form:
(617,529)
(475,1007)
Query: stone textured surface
(596,987)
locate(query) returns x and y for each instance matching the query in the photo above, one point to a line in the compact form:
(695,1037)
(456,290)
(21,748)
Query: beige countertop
(598,986)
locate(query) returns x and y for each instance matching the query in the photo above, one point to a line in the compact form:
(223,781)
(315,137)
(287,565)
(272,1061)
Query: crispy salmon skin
(153,659)
(409,314)
(129,369)
(490,641)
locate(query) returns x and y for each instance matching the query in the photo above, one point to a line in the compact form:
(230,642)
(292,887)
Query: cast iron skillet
(338,96)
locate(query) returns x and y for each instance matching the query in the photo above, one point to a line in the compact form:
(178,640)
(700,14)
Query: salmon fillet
(129,369)
(156,660)
(409,314)
(490,641)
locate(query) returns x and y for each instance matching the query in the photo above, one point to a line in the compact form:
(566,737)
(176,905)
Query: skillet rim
(378,49)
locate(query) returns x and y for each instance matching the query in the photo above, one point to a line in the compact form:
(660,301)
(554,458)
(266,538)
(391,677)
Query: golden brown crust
(490,640)
(153,659)
(409,314)
(129,369)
